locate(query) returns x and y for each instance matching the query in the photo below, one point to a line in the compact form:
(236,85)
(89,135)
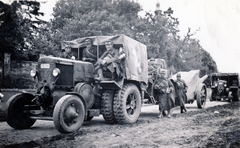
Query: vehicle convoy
(225,86)
(68,94)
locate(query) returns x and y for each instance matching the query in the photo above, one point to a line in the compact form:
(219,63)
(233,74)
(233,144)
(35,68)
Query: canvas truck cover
(136,63)
(192,80)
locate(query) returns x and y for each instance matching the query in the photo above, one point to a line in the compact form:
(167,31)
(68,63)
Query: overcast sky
(218,20)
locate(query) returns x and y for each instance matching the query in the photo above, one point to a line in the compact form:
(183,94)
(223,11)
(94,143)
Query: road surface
(46,129)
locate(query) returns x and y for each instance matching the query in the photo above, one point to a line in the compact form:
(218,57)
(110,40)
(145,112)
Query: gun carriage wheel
(201,95)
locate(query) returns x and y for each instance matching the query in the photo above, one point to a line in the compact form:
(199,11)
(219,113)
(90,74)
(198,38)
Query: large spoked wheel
(107,106)
(201,94)
(68,114)
(127,104)
(17,116)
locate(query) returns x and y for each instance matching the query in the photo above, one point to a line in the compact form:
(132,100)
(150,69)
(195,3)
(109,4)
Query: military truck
(68,94)
(225,86)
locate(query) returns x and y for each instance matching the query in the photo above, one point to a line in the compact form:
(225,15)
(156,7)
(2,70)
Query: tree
(159,31)
(19,26)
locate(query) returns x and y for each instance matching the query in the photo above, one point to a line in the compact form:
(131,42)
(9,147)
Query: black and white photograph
(119,73)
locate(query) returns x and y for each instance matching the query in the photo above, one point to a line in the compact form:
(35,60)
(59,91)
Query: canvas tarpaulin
(136,64)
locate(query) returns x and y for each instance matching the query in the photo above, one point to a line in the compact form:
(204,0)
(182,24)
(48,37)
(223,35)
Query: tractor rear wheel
(68,114)
(127,104)
(16,116)
(107,106)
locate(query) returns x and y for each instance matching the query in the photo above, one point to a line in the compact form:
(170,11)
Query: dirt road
(197,128)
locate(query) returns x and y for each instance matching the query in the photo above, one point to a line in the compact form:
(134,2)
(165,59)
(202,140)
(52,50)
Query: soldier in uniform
(110,60)
(181,92)
(90,52)
(163,91)
(152,70)
(68,54)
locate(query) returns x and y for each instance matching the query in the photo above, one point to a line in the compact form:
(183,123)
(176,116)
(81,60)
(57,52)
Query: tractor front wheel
(68,114)
(17,116)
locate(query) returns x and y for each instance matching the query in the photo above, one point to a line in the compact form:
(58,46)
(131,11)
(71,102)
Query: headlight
(56,72)
(225,85)
(33,73)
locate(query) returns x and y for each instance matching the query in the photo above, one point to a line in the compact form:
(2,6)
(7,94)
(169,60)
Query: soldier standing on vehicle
(90,52)
(111,60)
(181,92)
(163,88)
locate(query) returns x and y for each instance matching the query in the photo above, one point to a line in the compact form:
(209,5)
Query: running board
(41,118)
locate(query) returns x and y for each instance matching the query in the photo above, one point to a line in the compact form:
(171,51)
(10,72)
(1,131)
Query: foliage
(11,38)
(80,18)
(159,31)
(19,29)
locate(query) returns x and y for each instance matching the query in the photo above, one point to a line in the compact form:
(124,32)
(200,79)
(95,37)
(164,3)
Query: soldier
(67,53)
(110,60)
(163,88)
(152,70)
(90,52)
(152,66)
(181,92)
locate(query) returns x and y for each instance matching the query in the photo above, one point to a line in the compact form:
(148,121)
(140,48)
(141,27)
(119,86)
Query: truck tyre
(107,106)
(68,114)
(230,96)
(16,117)
(201,95)
(236,95)
(211,95)
(127,104)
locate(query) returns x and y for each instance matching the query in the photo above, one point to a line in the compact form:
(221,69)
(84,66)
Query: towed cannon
(197,90)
